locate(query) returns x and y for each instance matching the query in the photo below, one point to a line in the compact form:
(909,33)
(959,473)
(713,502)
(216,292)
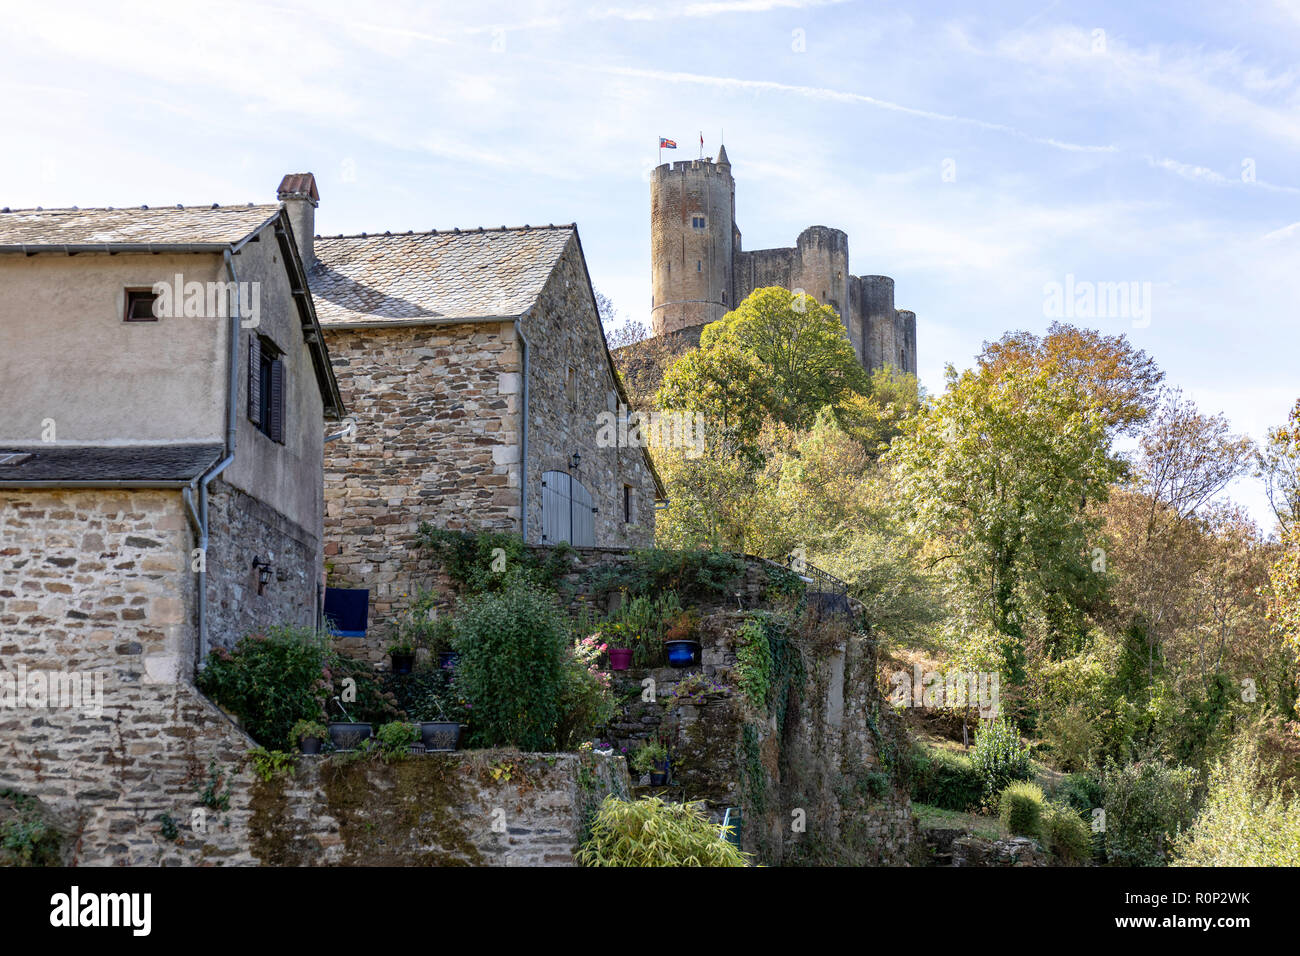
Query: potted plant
(310,735)
(679,640)
(620,641)
(348,734)
(652,758)
(397,738)
(402,654)
(441,734)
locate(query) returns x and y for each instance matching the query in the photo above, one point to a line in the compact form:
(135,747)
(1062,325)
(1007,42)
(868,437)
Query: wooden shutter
(254,379)
(582,533)
(555,507)
(276,402)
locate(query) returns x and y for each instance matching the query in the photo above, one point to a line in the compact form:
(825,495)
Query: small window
(697,222)
(571,384)
(266,387)
(699,266)
(629,504)
(139,306)
(724,296)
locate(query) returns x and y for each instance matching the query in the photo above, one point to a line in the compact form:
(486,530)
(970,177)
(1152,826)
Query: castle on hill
(699,271)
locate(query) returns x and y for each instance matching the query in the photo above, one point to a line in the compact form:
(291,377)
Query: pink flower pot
(620,658)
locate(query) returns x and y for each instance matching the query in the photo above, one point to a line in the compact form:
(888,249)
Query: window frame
(131,295)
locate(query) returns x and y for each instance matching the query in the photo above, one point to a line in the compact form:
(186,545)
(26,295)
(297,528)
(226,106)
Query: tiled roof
(433,276)
(216,225)
(74,464)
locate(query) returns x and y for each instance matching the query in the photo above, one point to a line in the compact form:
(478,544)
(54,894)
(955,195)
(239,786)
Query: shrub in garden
(1080,791)
(1066,834)
(1246,821)
(271,681)
(999,756)
(945,779)
(1147,804)
(1020,807)
(513,645)
(586,699)
(653,832)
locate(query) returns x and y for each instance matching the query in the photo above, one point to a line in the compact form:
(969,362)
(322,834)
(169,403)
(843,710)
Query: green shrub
(512,647)
(395,738)
(270,681)
(945,779)
(1246,820)
(426,693)
(374,703)
(488,561)
(1066,834)
(695,574)
(1080,791)
(1147,805)
(26,838)
(587,701)
(999,757)
(653,832)
(1020,807)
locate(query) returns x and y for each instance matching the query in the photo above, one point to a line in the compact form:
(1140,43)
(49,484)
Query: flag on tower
(665,143)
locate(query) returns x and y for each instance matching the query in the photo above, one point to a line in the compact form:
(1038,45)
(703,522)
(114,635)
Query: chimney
(298,193)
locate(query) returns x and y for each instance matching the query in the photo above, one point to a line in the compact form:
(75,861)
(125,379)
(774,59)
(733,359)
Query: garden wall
(815,776)
(481,808)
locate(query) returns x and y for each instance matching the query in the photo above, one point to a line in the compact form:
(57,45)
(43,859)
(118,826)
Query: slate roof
(159,225)
(428,277)
(86,464)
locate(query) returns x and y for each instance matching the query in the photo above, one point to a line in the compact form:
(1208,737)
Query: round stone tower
(824,268)
(692,215)
(878,318)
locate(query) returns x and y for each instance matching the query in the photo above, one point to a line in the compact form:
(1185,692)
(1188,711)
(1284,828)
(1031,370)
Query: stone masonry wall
(242,529)
(96,594)
(437,439)
(564,334)
(482,808)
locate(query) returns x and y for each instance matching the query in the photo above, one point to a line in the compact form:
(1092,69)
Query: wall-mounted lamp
(263,569)
(575,460)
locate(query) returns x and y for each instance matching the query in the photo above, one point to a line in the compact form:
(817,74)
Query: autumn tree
(1122,381)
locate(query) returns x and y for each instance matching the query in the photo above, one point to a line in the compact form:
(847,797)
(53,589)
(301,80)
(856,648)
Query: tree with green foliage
(999,472)
(777,355)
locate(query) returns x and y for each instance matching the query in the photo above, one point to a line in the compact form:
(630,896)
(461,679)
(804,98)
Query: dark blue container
(683,653)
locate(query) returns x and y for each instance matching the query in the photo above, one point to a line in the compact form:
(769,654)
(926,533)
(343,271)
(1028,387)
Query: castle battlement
(700,166)
(699,271)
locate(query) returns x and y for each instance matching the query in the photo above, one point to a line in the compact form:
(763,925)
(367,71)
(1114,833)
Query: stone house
(477,375)
(166,387)
(166,390)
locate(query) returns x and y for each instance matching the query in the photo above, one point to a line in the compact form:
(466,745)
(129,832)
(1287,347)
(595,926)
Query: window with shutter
(276,403)
(255,378)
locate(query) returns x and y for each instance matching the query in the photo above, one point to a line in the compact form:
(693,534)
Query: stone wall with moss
(814,767)
(480,808)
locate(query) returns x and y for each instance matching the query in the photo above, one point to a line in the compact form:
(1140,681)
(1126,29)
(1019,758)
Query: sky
(982,154)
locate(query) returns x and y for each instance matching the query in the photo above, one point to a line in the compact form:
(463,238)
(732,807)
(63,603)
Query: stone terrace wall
(831,758)
(482,808)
